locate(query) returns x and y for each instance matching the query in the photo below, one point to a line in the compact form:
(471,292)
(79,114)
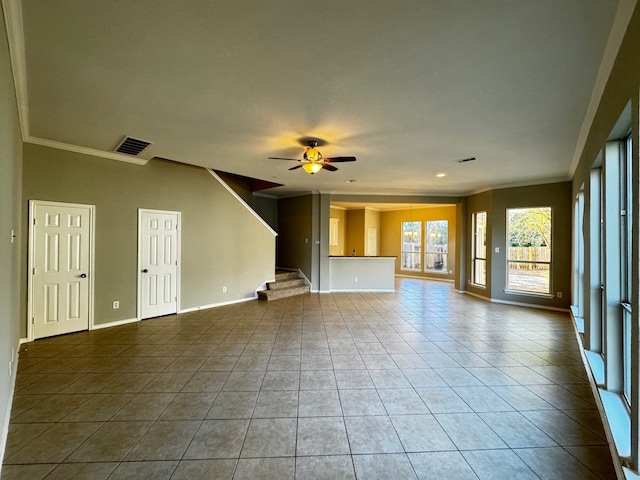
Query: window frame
(404,252)
(444,254)
(475,258)
(523,291)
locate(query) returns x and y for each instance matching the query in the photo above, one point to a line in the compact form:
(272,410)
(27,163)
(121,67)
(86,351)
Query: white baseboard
(221,304)
(529,305)
(7,415)
(516,304)
(356,290)
(114,324)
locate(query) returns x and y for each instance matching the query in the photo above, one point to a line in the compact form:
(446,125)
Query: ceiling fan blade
(280,158)
(297,166)
(340,159)
(331,168)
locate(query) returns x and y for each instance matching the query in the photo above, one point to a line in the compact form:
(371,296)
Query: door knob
(84,275)
(145,271)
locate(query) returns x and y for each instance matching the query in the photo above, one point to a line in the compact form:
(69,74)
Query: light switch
(497,249)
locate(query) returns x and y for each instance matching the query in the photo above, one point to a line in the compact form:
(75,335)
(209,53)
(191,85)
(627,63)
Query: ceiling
(407,87)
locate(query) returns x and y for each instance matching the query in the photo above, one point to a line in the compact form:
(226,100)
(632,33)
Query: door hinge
(34,271)
(35,221)
(33,320)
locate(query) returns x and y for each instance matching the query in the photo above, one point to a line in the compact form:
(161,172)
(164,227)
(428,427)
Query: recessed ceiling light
(441,174)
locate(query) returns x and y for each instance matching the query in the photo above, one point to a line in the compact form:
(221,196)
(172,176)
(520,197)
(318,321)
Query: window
(479,249)
(529,251)
(437,241)
(411,246)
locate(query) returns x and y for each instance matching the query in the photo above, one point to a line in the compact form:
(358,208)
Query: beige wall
(223,244)
(355,233)
(391,236)
(495,203)
(295,233)
(10,214)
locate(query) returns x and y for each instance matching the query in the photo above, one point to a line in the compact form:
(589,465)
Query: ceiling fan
(312,161)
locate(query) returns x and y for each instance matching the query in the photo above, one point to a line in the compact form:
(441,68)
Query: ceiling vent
(132,146)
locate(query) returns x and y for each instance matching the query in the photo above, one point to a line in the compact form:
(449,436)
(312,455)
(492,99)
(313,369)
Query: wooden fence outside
(539,256)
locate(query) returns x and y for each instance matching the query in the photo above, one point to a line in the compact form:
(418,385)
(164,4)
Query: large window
(411,246)
(529,251)
(626,190)
(437,241)
(479,249)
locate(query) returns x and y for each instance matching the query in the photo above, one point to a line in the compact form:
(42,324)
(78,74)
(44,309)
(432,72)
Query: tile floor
(422,383)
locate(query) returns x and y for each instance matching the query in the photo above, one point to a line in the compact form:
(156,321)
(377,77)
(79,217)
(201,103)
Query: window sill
(614,406)
(529,294)
(619,421)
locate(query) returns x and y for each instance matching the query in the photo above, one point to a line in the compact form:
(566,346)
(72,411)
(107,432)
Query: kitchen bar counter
(362,274)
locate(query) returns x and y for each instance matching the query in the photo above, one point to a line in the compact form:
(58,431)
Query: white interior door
(61,248)
(158,240)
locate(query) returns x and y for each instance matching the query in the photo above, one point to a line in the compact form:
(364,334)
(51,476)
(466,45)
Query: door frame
(141,212)
(33,204)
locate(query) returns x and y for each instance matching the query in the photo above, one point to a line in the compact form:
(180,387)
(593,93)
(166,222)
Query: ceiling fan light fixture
(312,154)
(312,167)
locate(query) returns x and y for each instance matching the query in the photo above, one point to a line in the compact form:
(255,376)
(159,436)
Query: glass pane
(626,353)
(481,235)
(436,262)
(528,277)
(411,261)
(437,233)
(479,272)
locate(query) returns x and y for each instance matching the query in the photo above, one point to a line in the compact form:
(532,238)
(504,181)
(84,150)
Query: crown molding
(15,37)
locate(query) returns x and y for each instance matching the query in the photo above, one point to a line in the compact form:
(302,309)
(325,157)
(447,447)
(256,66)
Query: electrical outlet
(559,295)
(116,304)
(224,289)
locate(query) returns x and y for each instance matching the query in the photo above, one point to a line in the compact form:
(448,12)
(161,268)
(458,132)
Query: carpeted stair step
(283,292)
(288,283)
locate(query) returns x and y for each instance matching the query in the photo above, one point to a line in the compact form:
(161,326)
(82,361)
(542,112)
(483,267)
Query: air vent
(132,146)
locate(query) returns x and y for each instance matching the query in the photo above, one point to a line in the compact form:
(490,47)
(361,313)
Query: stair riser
(286,276)
(285,284)
(283,293)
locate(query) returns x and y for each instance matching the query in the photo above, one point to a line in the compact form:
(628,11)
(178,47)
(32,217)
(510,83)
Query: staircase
(287,284)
